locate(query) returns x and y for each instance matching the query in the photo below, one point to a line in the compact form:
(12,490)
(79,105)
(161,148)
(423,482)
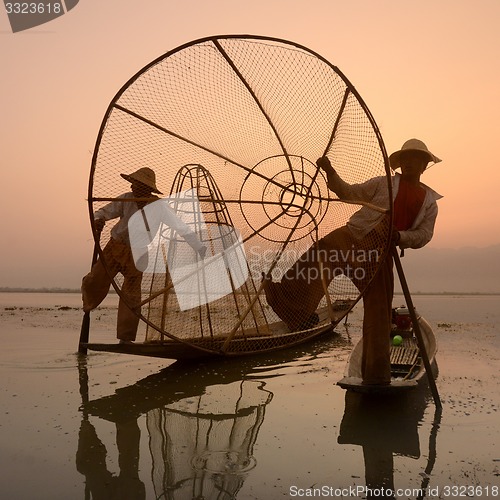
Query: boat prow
(396,385)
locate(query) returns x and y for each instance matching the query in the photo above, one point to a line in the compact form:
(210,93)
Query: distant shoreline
(42,290)
(75,290)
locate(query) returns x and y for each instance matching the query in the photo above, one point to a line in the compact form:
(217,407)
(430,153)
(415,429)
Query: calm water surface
(274,426)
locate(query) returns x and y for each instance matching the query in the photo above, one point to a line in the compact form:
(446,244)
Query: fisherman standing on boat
(296,298)
(118,256)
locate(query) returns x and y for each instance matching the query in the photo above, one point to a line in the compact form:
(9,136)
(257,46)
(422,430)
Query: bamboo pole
(327,293)
(85,329)
(416,328)
(362,203)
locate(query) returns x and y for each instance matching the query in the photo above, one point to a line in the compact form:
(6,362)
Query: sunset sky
(428,69)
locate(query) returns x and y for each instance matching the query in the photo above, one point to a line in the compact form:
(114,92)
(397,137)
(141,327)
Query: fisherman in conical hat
(355,250)
(415,207)
(118,256)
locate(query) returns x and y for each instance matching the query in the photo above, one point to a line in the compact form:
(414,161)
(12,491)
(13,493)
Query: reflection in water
(91,454)
(432,451)
(384,427)
(202,447)
(91,462)
(203,421)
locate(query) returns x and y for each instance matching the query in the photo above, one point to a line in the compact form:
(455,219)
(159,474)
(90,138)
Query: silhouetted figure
(118,255)
(355,250)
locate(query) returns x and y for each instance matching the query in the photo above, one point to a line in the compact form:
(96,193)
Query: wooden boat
(407,366)
(255,202)
(212,347)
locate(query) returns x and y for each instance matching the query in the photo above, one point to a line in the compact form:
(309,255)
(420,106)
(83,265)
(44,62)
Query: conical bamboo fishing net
(232,126)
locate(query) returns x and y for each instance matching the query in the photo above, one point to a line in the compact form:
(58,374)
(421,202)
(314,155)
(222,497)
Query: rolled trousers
(296,297)
(95,286)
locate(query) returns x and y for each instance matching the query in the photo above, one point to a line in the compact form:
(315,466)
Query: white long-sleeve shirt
(375,191)
(124,210)
(119,209)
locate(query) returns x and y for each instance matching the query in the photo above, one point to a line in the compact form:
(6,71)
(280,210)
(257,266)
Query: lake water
(266,427)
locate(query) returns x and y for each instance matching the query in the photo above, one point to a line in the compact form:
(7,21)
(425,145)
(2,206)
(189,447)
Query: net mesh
(238,123)
(202,446)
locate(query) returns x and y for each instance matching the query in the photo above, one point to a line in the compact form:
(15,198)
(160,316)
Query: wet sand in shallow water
(271,426)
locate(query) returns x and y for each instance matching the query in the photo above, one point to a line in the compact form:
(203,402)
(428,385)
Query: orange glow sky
(428,69)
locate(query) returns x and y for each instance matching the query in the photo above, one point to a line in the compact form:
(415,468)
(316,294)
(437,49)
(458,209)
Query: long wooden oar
(416,328)
(84,332)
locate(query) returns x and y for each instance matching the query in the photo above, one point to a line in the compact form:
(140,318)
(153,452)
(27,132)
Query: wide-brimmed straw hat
(145,176)
(411,145)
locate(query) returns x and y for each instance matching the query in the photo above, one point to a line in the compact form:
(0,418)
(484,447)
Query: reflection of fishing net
(232,127)
(202,447)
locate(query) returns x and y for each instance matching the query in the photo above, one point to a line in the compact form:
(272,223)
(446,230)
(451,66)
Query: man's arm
(422,234)
(373,190)
(334,181)
(112,210)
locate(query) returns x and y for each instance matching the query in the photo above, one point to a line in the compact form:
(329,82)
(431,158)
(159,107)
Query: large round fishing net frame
(240,121)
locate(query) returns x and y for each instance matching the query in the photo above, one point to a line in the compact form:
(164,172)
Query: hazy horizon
(468,270)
